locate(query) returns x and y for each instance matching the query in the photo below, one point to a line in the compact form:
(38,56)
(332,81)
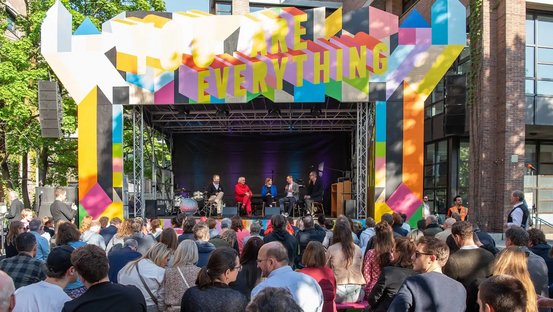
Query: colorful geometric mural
(284,54)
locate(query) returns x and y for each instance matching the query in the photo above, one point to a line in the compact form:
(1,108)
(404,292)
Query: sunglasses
(418,254)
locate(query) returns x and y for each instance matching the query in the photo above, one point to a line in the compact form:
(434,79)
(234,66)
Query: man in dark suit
(314,191)
(431,290)
(310,232)
(470,265)
(15,206)
(59,210)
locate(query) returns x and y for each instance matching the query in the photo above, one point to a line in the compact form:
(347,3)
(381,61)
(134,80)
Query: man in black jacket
(215,193)
(279,233)
(59,210)
(314,191)
(310,232)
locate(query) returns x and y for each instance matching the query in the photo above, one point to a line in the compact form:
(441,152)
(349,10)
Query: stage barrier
(284,54)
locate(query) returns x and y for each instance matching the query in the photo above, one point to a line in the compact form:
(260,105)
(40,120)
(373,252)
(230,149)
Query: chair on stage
(317,207)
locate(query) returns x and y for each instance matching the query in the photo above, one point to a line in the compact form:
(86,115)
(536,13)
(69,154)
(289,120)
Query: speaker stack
(50,110)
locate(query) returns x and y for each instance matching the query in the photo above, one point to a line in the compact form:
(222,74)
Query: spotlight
(222,112)
(316,112)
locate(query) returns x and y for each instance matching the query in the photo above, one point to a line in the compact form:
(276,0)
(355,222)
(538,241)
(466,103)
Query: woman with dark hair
(187,229)
(212,292)
(16,228)
(68,234)
(379,257)
(314,261)
(392,277)
(398,225)
(238,226)
(250,275)
(280,233)
(346,259)
(169,237)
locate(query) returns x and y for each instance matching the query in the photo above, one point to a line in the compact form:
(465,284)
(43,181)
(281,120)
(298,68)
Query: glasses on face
(418,254)
(238,268)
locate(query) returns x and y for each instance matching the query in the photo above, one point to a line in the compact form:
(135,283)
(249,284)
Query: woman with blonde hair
(514,261)
(85,224)
(180,277)
(124,231)
(147,273)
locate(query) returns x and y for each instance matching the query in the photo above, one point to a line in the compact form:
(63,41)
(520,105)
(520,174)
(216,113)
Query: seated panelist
(243,194)
(268,192)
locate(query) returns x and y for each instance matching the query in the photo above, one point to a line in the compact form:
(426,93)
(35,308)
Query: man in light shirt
(292,195)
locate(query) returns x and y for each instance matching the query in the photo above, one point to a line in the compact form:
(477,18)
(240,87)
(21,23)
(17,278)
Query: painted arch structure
(284,54)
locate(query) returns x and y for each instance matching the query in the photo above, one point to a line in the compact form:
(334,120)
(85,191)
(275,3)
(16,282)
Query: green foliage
(21,66)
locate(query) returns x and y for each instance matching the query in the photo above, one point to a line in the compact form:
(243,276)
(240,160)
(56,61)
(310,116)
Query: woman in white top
(147,273)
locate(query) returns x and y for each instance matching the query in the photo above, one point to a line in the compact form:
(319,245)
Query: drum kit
(206,208)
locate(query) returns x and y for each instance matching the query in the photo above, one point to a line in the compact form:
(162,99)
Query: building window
(435,175)
(10,20)
(223,8)
(539,69)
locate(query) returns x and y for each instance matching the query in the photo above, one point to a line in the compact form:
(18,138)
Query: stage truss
(258,115)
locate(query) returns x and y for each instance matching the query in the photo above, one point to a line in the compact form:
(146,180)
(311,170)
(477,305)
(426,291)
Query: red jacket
(240,190)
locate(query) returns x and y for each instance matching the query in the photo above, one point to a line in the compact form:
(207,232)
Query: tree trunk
(25,179)
(43,165)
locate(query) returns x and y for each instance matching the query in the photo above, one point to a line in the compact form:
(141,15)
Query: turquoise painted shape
(86,28)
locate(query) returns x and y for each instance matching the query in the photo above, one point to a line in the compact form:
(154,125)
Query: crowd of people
(290,265)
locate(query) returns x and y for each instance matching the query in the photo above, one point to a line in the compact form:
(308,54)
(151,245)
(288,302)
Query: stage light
(222,112)
(316,112)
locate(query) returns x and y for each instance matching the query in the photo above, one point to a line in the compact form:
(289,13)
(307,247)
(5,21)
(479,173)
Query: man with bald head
(272,259)
(7,290)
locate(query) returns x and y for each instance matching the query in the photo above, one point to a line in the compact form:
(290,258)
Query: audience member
(169,237)
(255,231)
(405,225)
(187,229)
(431,290)
(91,264)
(43,245)
(274,300)
(120,257)
(273,261)
(415,235)
(92,235)
(421,225)
(310,232)
(392,277)
(292,225)
(180,277)
(24,269)
(26,217)
(176,224)
(381,256)
(470,264)
(118,240)
(502,293)
(345,259)
(517,236)
(85,224)
(538,245)
(48,223)
(212,293)
(205,248)
(327,225)
(486,239)
(367,234)
(48,295)
(68,234)
(314,261)
(7,289)
(241,233)
(147,273)
(107,232)
(280,234)
(16,228)
(432,226)
(212,224)
(398,225)
(250,275)
(512,261)
(443,235)
(155,229)
(140,234)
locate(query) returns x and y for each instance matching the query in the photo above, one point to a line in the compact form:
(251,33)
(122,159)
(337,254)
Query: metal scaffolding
(138,161)
(362,140)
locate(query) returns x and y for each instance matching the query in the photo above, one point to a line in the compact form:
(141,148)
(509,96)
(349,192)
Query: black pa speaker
(270,211)
(50,109)
(151,208)
(229,212)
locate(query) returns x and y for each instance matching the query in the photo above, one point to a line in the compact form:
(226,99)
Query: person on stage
(268,192)
(243,194)
(314,191)
(59,210)
(215,193)
(291,190)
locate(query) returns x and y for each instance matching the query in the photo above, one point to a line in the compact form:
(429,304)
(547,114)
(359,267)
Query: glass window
(545,29)
(529,110)
(441,154)
(430,153)
(529,29)
(546,169)
(546,153)
(545,71)
(11,22)
(437,108)
(545,55)
(530,156)
(223,9)
(545,87)
(544,110)
(529,86)
(530,62)
(438,93)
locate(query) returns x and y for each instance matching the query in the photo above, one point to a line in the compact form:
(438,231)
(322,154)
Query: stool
(317,207)
(356,306)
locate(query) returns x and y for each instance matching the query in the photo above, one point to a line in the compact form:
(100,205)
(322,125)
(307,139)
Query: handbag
(154,299)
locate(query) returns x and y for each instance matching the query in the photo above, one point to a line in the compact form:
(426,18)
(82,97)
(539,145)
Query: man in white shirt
(292,195)
(519,215)
(48,295)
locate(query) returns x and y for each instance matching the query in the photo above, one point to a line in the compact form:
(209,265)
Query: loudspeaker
(350,208)
(151,208)
(455,100)
(229,212)
(50,109)
(270,211)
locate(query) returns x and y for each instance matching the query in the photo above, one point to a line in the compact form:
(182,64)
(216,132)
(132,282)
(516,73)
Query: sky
(185,5)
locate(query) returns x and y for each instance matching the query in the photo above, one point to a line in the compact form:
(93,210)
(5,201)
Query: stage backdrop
(197,157)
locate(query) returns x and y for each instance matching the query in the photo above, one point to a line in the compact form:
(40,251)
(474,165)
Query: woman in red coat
(243,194)
(314,259)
